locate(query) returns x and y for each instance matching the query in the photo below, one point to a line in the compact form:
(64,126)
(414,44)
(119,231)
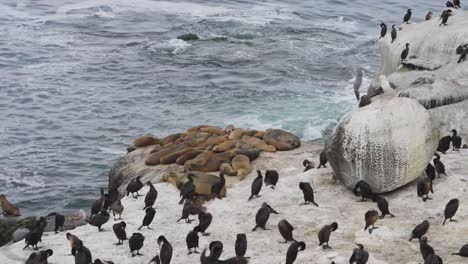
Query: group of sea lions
(209,148)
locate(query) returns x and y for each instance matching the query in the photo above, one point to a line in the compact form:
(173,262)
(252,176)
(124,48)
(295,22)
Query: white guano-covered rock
(387,144)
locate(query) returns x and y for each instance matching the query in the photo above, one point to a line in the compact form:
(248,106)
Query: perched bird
(117,209)
(293,249)
(394,33)
(425,248)
(218,186)
(82,254)
(308,193)
(444,144)
(241,245)
(449,4)
(456,140)
(149,216)
(407,16)
(428,16)
(188,189)
(433,259)
(420,230)
(360,255)
(192,240)
(405,52)
(430,172)
(323,159)
(450,210)
(59,221)
(99,219)
(271,178)
(307,165)
(439,166)
(119,231)
(135,242)
(463,251)
(165,250)
(382,204)
(204,219)
(39,257)
(371,217)
(98,261)
(358,82)
(383,30)
(463,54)
(186,212)
(324,234)
(98,204)
(156,260)
(286,230)
(424,187)
(460,48)
(445,16)
(151,196)
(363,189)
(134,186)
(35,235)
(256,185)
(216,249)
(456,3)
(261,218)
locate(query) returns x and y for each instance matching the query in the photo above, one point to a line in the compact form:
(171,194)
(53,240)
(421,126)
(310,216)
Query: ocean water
(81,79)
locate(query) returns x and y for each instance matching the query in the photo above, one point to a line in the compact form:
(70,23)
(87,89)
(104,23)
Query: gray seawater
(80,79)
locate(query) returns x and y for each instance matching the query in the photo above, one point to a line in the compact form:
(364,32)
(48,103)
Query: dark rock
(188,37)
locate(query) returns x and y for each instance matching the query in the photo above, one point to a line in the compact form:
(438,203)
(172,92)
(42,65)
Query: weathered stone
(387,144)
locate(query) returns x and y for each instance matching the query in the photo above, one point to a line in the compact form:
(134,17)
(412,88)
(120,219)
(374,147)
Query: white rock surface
(387,144)
(387,245)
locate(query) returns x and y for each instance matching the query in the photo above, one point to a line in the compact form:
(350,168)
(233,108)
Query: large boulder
(281,139)
(387,144)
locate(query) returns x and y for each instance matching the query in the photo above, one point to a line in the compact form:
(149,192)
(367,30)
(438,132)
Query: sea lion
(293,250)
(258,144)
(135,242)
(420,230)
(203,182)
(360,255)
(371,217)
(229,128)
(211,142)
(74,242)
(165,249)
(225,146)
(256,185)
(240,166)
(155,157)
(213,130)
(172,157)
(324,234)
(237,133)
(241,245)
(258,134)
(7,207)
(407,16)
(171,138)
(192,240)
(210,164)
(146,140)
(286,230)
(251,153)
(196,128)
(261,218)
(119,231)
(188,156)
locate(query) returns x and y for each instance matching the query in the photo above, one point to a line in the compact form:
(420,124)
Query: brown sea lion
(212,141)
(237,133)
(74,241)
(146,140)
(155,158)
(8,208)
(213,130)
(209,164)
(171,138)
(225,146)
(196,128)
(240,166)
(258,144)
(157,148)
(172,157)
(252,153)
(196,138)
(202,183)
(228,129)
(227,169)
(259,134)
(188,156)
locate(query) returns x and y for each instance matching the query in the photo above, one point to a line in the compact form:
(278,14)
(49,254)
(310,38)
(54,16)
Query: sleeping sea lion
(202,182)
